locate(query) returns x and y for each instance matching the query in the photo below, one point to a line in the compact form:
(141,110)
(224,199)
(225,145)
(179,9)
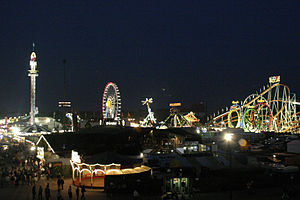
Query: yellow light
(274,79)
(228,137)
(235,102)
(174,104)
(48,120)
(238,116)
(108,104)
(135,125)
(33,55)
(243,142)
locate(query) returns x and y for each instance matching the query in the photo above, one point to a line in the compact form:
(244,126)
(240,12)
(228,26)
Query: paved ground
(23,192)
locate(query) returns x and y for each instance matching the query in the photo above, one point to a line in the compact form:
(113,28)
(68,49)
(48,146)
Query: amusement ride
(111,103)
(149,120)
(177,120)
(271,110)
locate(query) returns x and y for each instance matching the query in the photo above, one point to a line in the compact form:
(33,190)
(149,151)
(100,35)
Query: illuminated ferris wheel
(111,102)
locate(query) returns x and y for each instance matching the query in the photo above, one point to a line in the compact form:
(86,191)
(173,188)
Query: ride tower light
(33,73)
(150,120)
(228,137)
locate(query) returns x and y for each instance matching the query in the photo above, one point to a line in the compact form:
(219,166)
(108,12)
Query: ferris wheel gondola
(111,102)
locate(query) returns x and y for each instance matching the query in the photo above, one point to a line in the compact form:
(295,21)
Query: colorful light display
(273,109)
(111,102)
(33,73)
(150,120)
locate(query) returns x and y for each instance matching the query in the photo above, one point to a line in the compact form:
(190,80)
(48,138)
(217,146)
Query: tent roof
(35,129)
(110,157)
(297,142)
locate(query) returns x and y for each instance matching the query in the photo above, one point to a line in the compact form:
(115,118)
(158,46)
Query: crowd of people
(20,167)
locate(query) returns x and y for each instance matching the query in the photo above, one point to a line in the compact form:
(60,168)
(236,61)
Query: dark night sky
(211,51)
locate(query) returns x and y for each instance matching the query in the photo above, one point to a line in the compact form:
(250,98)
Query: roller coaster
(271,110)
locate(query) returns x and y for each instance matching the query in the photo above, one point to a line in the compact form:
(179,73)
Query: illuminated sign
(64,104)
(274,79)
(174,104)
(40,153)
(111,123)
(75,157)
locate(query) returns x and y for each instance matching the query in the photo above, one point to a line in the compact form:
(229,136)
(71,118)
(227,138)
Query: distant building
(293,146)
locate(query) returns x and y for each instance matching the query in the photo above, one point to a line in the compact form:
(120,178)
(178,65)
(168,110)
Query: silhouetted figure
(47,192)
(58,183)
(33,192)
(62,183)
(82,192)
(77,193)
(250,188)
(58,195)
(40,194)
(136,194)
(70,192)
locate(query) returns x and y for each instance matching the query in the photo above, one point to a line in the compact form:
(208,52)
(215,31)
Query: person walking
(58,195)
(70,192)
(33,192)
(40,194)
(48,174)
(29,179)
(82,192)
(58,183)
(77,193)
(62,183)
(47,192)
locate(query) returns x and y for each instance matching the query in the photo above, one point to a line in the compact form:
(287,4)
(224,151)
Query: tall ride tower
(33,73)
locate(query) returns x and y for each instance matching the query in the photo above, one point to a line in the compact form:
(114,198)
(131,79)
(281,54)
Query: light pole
(228,138)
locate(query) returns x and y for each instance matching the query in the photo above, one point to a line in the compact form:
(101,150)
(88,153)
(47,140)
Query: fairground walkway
(23,192)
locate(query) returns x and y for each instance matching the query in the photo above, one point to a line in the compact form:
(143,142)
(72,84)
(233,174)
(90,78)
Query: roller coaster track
(279,114)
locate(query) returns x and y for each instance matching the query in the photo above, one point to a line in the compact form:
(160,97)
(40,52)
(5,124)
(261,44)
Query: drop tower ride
(33,73)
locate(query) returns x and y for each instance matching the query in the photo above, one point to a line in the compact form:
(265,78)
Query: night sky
(188,51)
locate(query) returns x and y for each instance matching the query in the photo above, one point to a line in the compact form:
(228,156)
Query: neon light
(46,142)
(75,157)
(246,120)
(150,119)
(111,102)
(229,118)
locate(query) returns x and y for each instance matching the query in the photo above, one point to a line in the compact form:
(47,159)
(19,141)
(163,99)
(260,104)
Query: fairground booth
(108,170)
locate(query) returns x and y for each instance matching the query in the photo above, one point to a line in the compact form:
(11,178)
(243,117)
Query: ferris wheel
(111,102)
